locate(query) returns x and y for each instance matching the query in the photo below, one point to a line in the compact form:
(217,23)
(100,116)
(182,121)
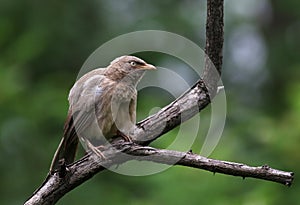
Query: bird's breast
(114,112)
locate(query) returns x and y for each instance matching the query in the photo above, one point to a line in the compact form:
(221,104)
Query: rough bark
(75,174)
(189,104)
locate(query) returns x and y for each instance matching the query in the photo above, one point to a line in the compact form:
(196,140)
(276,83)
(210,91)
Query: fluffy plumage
(102,104)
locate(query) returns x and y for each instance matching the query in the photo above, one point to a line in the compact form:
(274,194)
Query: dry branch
(75,174)
(189,104)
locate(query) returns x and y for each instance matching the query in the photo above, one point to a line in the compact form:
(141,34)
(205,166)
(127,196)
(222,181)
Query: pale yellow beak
(147,67)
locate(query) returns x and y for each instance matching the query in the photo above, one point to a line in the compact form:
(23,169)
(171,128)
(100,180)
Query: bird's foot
(95,149)
(125,137)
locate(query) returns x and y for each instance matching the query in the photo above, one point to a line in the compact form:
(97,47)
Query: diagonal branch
(172,115)
(185,107)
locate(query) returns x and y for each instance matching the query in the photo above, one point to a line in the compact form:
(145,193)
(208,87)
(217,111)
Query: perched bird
(102,105)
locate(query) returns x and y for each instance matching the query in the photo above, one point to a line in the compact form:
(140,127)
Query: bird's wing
(82,98)
(84,86)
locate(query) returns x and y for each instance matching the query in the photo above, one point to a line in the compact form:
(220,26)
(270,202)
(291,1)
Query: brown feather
(102,98)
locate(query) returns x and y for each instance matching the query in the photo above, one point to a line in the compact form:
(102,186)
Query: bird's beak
(148,67)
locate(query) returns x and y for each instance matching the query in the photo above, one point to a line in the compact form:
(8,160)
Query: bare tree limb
(214,44)
(189,104)
(215,32)
(80,171)
(200,95)
(216,166)
(172,115)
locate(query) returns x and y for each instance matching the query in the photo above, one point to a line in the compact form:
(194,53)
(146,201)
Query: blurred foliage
(43,44)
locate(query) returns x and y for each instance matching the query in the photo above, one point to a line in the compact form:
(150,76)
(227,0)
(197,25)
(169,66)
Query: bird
(102,104)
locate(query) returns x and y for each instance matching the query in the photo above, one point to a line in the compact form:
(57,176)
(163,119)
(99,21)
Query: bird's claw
(94,149)
(125,137)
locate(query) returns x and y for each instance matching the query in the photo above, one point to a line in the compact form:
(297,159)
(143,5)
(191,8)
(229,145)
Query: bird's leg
(125,137)
(95,149)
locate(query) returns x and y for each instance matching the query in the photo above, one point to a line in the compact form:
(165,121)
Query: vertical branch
(214,44)
(202,92)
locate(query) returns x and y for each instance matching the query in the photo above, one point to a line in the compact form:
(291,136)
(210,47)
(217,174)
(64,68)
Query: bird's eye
(132,63)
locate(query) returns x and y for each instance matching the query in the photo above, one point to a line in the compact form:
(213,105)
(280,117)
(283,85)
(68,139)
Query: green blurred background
(43,44)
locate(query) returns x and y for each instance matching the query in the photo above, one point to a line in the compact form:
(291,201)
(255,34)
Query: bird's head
(128,67)
(131,63)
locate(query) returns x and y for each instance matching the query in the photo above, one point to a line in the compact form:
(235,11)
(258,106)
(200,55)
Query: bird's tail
(67,147)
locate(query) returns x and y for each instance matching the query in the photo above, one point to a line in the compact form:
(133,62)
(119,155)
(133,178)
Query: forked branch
(185,107)
(75,174)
